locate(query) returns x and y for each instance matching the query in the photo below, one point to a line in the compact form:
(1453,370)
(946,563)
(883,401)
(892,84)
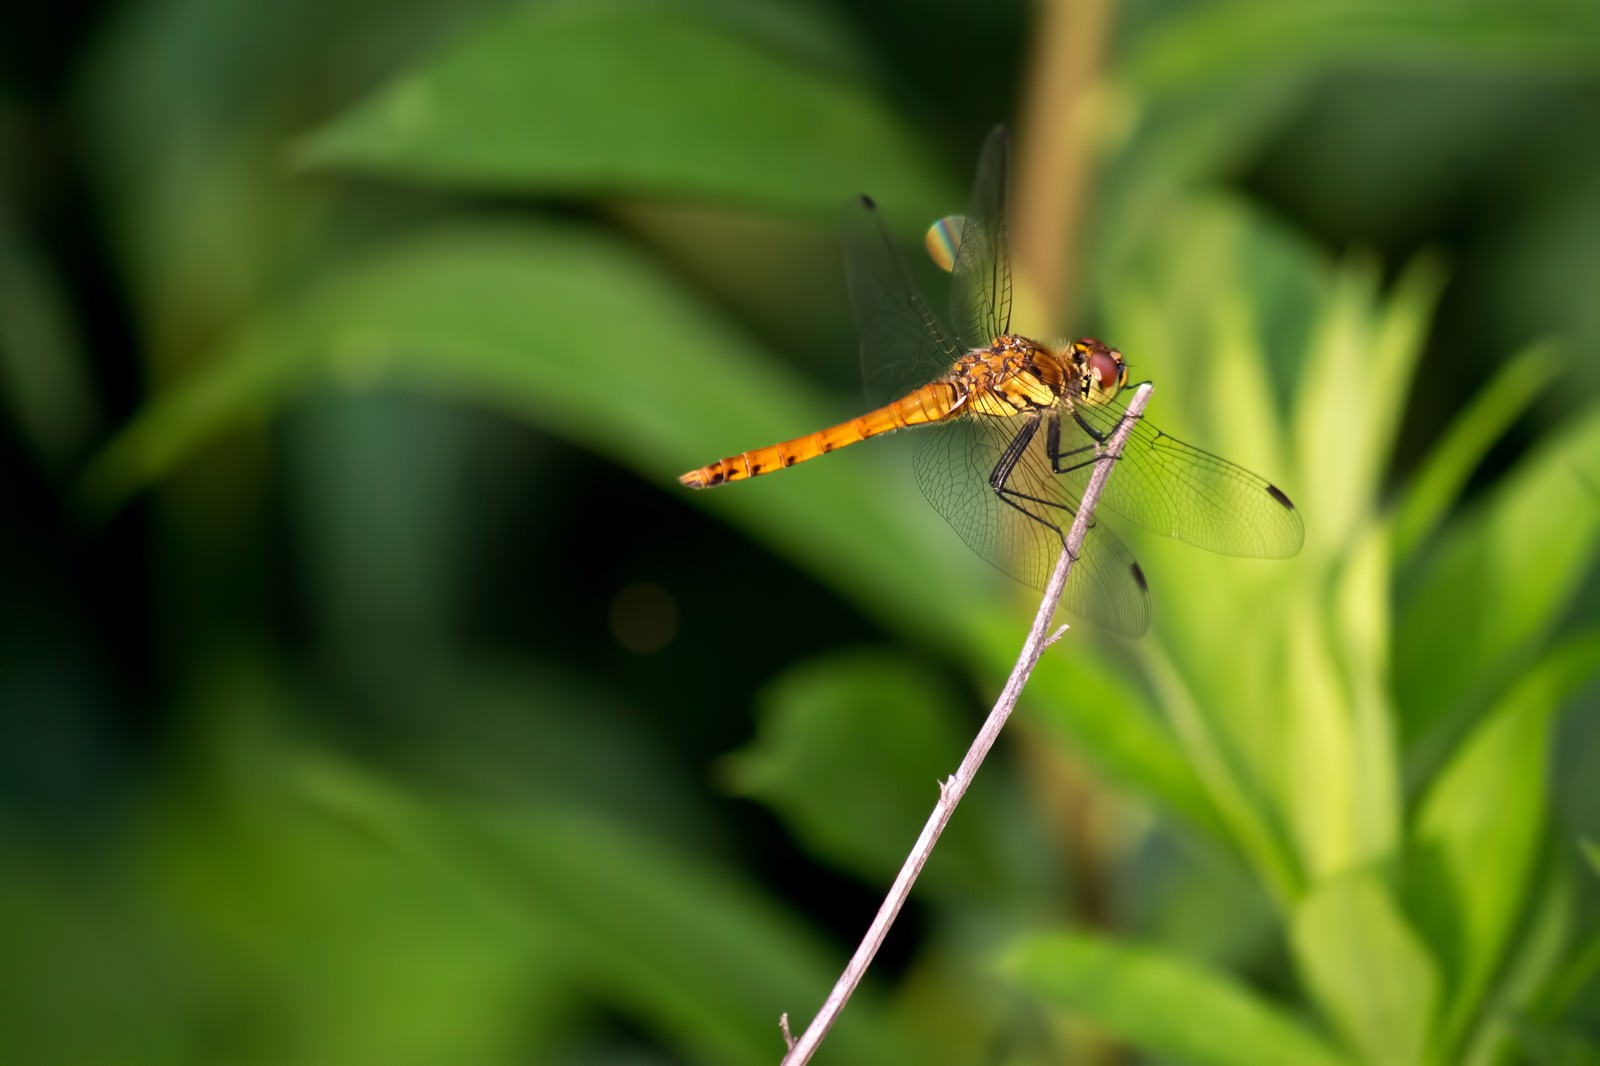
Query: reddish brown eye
(1106,372)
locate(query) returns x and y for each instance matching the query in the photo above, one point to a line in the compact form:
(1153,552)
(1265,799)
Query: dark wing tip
(867,202)
(1138,576)
(1282,497)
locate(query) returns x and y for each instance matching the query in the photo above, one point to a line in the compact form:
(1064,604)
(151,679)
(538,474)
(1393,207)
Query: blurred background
(370,690)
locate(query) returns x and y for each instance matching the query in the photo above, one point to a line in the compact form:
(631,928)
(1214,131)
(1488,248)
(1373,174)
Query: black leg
(1007,465)
(1052,446)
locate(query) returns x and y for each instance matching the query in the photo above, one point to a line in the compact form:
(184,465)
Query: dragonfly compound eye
(1104,372)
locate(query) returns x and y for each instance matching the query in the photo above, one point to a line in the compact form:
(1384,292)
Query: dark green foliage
(350,354)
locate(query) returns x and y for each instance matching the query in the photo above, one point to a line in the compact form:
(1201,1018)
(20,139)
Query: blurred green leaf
(1591,852)
(1489,801)
(1164,1004)
(637,97)
(1557,1045)
(1192,316)
(1542,946)
(1451,462)
(1078,702)
(850,753)
(1250,39)
(1363,633)
(1254,823)
(487,314)
(71,936)
(1495,583)
(1322,806)
(1344,446)
(1367,967)
(702,959)
(1572,985)
(225,920)
(183,109)
(44,371)
(1199,90)
(576,332)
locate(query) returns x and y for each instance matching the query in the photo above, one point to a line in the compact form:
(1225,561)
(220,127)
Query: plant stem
(1057,152)
(951,791)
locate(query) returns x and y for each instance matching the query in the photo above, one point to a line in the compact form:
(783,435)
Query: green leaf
(1366,967)
(1163,1004)
(579,334)
(1478,830)
(198,211)
(1474,431)
(574,331)
(636,97)
(1591,851)
(850,752)
(44,386)
(1253,823)
(1488,591)
(1543,943)
(1344,447)
(675,943)
(1243,41)
(1075,699)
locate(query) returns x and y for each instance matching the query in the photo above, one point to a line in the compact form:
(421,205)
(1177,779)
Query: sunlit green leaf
(1451,462)
(1083,705)
(1164,1004)
(1364,634)
(635,97)
(1489,801)
(1367,967)
(1344,445)
(1537,953)
(1495,583)
(1255,825)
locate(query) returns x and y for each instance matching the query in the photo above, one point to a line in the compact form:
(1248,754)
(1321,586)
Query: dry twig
(951,791)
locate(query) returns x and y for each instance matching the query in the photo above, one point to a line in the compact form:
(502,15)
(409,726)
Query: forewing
(980,286)
(953,465)
(1177,490)
(903,344)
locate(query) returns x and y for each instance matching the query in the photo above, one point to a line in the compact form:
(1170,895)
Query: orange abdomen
(931,403)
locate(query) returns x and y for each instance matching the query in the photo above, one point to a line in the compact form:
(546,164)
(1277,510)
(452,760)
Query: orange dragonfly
(1014,426)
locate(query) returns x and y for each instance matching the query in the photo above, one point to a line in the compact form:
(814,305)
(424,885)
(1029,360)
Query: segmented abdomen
(931,403)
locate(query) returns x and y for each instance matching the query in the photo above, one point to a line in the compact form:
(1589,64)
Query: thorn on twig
(788,1037)
(1057,635)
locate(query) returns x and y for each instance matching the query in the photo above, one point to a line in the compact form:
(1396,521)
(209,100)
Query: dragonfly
(1011,427)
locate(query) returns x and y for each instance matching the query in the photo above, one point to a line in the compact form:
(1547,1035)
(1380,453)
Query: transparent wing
(1180,491)
(903,344)
(980,285)
(953,465)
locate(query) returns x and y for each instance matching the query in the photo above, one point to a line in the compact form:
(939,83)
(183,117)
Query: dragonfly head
(1101,371)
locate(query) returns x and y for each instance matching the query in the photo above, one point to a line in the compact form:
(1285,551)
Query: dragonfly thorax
(1015,374)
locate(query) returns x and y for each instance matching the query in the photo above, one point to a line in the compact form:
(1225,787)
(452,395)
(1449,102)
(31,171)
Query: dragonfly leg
(1052,446)
(1007,465)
